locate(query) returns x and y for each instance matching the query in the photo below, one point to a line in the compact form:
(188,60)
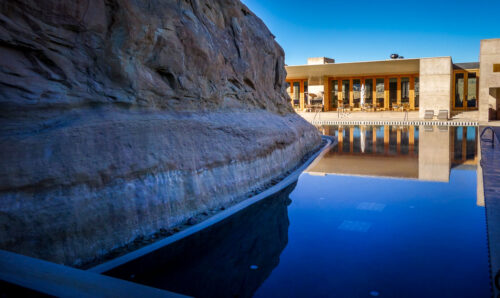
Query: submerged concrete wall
(435,84)
(489,80)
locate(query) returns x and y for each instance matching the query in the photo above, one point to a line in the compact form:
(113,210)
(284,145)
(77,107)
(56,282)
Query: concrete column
(435,84)
(351,94)
(489,81)
(386,93)
(301,95)
(327,94)
(399,91)
(412,93)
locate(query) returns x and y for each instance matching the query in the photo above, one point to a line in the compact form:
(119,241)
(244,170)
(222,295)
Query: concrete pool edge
(489,164)
(291,178)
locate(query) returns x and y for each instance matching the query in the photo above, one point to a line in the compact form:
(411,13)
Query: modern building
(399,84)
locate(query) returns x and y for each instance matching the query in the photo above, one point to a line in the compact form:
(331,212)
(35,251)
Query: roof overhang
(386,67)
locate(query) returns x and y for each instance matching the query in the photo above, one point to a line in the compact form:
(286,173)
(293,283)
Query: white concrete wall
(319,60)
(488,80)
(435,84)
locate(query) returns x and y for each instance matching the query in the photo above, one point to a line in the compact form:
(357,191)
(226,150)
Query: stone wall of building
(435,84)
(489,81)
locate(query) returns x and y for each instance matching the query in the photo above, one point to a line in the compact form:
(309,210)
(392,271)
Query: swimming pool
(391,211)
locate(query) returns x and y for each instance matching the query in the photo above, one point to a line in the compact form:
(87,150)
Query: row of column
(328,85)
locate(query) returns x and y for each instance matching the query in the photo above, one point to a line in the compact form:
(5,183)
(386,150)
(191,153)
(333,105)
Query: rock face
(121,117)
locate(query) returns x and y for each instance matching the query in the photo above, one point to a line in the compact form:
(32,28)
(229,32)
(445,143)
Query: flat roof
(383,67)
(466,65)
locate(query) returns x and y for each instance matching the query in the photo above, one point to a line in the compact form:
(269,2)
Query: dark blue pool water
(389,212)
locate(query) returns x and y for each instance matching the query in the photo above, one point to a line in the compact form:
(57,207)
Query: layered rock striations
(121,117)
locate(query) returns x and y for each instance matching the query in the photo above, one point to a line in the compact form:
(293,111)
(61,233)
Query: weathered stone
(120,117)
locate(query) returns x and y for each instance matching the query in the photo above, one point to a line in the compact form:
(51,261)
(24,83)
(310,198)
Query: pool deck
(490,165)
(468,118)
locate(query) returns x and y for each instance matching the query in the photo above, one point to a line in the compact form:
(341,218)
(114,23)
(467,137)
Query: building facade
(421,84)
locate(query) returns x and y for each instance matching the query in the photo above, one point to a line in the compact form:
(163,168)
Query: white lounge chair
(443,115)
(429,114)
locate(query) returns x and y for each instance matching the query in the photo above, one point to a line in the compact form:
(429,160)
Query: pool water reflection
(389,212)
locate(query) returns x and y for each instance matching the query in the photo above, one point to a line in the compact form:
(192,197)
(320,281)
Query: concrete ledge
(62,281)
(490,165)
(107,266)
(394,122)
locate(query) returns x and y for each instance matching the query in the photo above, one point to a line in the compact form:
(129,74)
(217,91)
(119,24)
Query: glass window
(368,90)
(306,93)
(393,91)
(296,94)
(459,90)
(356,90)
(296,90)
(345,91)
(417,92)
(405,90)
(380,92)
(334,97)
(471,90)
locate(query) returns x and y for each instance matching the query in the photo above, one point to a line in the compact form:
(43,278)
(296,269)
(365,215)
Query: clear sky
(371,30)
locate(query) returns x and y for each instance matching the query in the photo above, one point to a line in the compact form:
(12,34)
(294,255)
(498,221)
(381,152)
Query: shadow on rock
(230,259)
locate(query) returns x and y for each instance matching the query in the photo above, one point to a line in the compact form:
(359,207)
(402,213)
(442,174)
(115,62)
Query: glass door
(334,96)
(296,94)
(346,93)
(369,91)
(379,93)
(356,92)
(405,91)
(458,102)
(471,90)
(417,92)
(393,92)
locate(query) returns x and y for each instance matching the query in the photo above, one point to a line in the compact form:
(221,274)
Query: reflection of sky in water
(350,235)
(367,231)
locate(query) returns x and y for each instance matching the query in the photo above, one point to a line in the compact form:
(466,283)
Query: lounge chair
(429,114)
(443,115)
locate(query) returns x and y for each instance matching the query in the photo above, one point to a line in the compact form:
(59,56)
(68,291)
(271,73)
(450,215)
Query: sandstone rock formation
(121,117)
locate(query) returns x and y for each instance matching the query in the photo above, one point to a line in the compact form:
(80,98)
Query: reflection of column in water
(374,139)
(351,138)
(341,139)
(398,140)
(386,139)
(411,139)
(362,137)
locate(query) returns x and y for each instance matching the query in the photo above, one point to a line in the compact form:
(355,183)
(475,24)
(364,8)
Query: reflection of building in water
(425,152)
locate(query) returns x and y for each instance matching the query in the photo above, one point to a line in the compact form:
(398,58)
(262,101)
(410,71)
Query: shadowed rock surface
(219,261)
(121,117)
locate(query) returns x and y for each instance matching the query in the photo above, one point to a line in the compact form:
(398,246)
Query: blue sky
(371,30)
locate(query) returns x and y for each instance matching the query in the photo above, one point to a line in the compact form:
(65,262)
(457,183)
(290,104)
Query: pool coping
(396,122)
(114,263)
(62,281)
(489,163)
